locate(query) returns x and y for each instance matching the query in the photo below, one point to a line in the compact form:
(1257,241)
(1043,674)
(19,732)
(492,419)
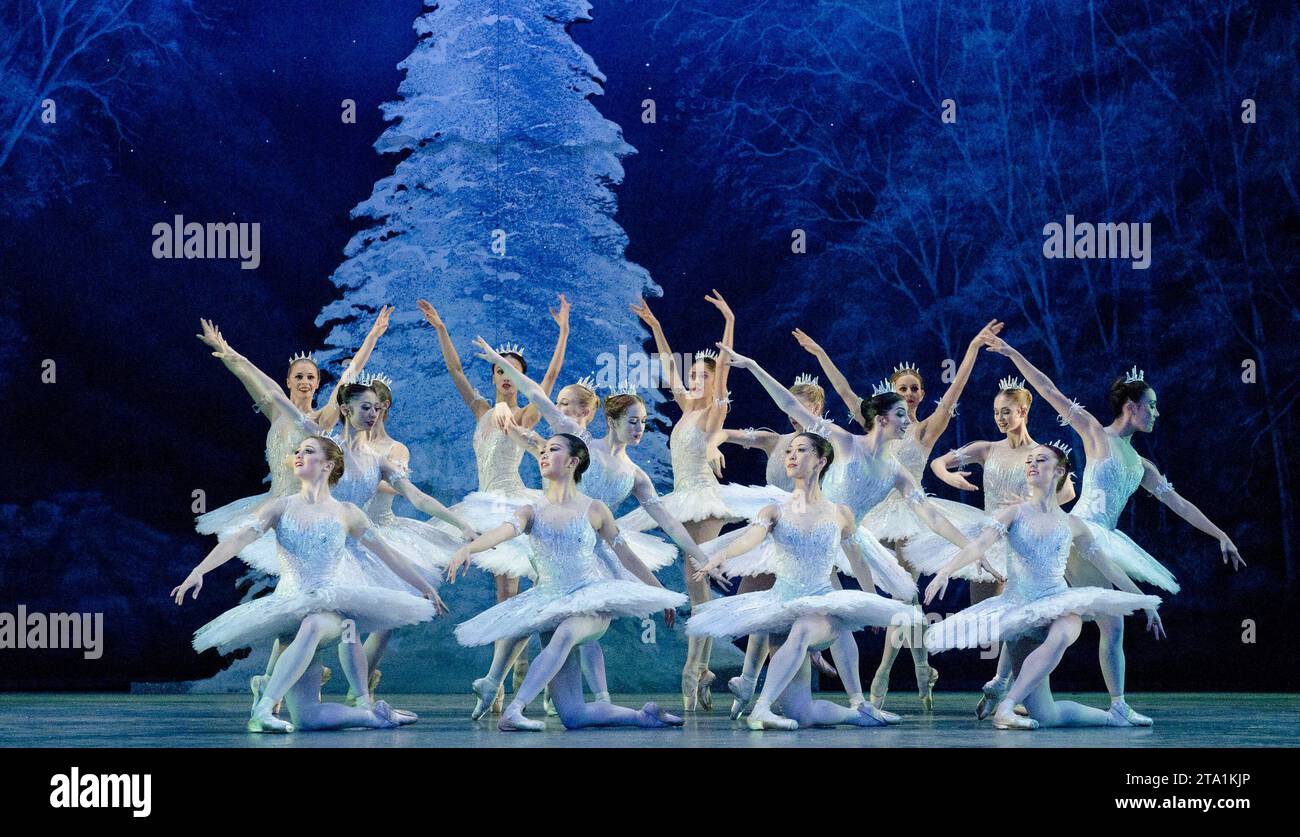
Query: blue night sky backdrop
(769,117)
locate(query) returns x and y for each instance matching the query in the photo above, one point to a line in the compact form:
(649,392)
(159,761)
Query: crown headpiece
(623,389)
(907,369)
(885,386)
(365,379)
(806,379)
(307,356)
(1134,375)
(333,437)
(708,354)
(510,349)
(1062,447)
(586,382)
(1009,383)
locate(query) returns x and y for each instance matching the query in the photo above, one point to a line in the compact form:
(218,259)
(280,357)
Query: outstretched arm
(644,491)
(399,478)
(1163,490)
(477,404)
(1073,413)
(538,400)
(359,528)
(832,372)
(717,411)
(266,518)
(848,541)
(270,392)
(1087,546)
(785,400)
(751,539)
(751,437)
(528,417)
(329,413)
(513,527)
(924,509)
(667,361)
(931,427)
(972,551)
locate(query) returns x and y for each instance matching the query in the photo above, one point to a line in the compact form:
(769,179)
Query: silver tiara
(510,349)
(365,379)
(805,378)
(1062,447)
(1134,375)
(1009,383)
(706,354)
(907,369)
(303,356)
(623,389)
(333,437)
(586,382)
(882,388)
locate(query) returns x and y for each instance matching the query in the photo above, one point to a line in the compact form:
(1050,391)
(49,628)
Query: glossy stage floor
(151,720)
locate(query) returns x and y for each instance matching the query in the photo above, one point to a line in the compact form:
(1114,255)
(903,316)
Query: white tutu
(540,609)
(486,510)
(928,552)
(1002,618)
(729,502)
(889,576)
(225,521)
(773,612)
(1136,562)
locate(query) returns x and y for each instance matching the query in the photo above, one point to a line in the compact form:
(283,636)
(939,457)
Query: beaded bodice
(1108,483)
(909,453)
(282,440)
(563,547)
(1040,545)
(689,446)
(361,476)
(859,481)
(497,456)
(803,550)
(607,479)
(1004,477)
(310,546)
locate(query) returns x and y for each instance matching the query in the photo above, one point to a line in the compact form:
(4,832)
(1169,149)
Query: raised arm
(254,377)
(951,467)
(838,382)
(932,426)
(529,416)
(667,361)
(329,413)
(1072,412)
(477,404)
(1163,490)
(267,515)
(721,403)
(785,400)
(538,399)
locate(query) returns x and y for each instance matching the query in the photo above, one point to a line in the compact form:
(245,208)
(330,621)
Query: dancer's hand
(957,479)
(809,345)
(212,337)
(737,360)
(191,580)
(937,587)
(503,417)
(716,460)
(1155,626)
(720,303)
(989,331)
(991,570)
(439,606)
(431,315)
(993,343)
(561,316)
(670,617)
(381,322)
(710,569)
(642,310)
(460,558)
(1229,550)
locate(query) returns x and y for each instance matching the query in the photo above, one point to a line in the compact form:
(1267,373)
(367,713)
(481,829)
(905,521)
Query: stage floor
(122,720)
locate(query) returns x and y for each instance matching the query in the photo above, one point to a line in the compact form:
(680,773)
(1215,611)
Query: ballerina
(1112,472)
(861,476)
(804,535)
(1037,607)
(424,545)
(1004,486)
(752,567)
(284,434)
(573,600)
(611,479)
(323,594)
(501,489)
(698,500)
(892,521)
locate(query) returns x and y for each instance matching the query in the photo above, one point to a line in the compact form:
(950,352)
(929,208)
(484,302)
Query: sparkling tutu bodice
(689,446)
(281,440)
(361,477)
(1039,549)
(1004,481)
(909,454)
(311,548)
(803,554)
(853,481)
(605,480)
(1107,484)
(497,456)
(563,548)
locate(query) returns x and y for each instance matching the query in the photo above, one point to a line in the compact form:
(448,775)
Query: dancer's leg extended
(567,636)
(575,713)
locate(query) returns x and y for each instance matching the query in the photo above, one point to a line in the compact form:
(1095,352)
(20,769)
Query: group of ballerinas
(835,500)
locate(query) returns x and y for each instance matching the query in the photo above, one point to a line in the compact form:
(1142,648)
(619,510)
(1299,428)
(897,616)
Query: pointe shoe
(690,691)
(547,705)
(822,665)
(927,691)
(876,712)
(660,717)
(877,700)
(706,690)
(263,721)
(992,694)
(387,714)
(499,702)
(371,683)
(880,718)
(375,675)
(1123,715)
(744,692)
(513,720)
(1005,718)
(762,718)
(486,695)
(400,717)
(257,685)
